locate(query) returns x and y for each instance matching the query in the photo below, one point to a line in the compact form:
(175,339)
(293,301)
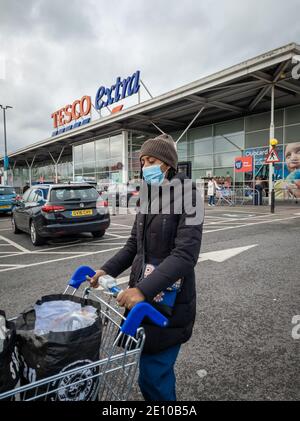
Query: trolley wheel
(36,239)
(98,234)
(14,227)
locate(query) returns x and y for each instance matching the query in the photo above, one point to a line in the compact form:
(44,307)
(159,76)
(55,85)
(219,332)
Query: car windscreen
(6,190)
(69,194)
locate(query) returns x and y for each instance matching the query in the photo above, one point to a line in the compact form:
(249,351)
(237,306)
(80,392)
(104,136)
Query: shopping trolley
(121,346)
(224,196)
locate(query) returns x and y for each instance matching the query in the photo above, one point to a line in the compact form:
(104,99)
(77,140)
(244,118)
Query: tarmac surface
(248,292)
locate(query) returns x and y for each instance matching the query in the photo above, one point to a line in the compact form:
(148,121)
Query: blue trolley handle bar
(136,314)
(79,276)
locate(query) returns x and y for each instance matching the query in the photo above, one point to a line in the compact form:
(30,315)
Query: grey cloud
(56,51)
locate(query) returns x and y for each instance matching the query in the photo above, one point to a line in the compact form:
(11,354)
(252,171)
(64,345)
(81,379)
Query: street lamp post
(4,108)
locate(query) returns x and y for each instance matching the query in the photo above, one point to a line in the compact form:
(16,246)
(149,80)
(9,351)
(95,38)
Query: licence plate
(4,206)
(83,212)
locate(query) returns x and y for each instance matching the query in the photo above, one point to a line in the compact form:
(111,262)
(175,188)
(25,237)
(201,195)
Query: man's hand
(130,297)
(94,280)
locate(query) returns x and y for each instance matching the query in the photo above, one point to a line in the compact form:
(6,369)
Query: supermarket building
(217,118)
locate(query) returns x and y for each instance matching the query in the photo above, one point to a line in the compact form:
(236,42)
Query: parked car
(47,211)
(7,198)
(122,194)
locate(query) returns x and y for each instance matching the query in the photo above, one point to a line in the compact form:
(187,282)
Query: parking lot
(247,289)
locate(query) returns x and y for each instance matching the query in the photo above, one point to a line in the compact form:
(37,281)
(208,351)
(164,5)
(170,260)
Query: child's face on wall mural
(292,156)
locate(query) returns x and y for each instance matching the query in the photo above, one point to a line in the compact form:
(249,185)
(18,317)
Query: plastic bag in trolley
(9,360)
(58,334)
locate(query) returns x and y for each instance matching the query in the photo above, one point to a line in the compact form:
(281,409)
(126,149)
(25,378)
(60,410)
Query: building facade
(238,110)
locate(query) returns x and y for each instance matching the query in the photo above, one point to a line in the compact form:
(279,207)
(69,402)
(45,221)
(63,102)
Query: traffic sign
(273,157)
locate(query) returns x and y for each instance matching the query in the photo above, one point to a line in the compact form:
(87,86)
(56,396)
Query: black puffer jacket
(176,245)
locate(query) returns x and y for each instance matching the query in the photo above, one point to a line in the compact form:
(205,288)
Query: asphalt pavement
(248,292)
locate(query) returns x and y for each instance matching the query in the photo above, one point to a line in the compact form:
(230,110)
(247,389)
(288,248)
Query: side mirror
(19,202)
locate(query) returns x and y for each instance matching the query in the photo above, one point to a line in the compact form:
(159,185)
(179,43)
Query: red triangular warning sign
(272,157)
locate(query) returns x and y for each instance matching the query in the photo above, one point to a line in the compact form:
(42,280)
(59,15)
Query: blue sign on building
(120,90)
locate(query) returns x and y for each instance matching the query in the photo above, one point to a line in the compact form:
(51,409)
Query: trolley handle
(79,276)
(136,314)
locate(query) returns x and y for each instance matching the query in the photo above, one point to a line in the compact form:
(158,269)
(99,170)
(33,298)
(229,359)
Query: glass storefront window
(292,115)
(103,166)
(88,155)
(261,138)
(229,127)
(199,133)
(201,147)
(102,149)
(223,172)
(116,163)
(88,167)
(202,161)
(78,171)
(225,159)
(116,145)
(292,134)
(262,121)
(182,150)
(100,158)
(224,145)
(77,154)
(198,174)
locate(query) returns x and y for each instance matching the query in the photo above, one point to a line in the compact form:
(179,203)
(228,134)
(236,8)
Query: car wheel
(36,239)
(14,227)
(124,202)
(98,234)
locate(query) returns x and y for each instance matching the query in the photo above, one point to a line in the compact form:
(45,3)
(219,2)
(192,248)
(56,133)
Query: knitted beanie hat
(161,147)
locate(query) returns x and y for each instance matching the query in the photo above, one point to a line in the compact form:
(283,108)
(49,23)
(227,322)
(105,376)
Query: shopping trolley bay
(247,295)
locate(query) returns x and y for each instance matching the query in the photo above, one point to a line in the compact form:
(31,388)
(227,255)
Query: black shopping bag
(47,354)
(9,360)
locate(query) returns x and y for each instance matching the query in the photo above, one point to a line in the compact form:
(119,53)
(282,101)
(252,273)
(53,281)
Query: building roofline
(244,68)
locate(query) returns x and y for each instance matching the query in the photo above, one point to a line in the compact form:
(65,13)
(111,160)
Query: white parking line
(117,236)
(11,253)
(59,260)
(84,243)
(16,245)
(13,265)
(249,224)
(122,225)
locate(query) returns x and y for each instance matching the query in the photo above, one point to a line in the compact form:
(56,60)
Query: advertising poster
(290,185)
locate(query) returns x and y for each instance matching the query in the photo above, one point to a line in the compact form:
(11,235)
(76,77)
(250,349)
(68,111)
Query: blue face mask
(153,174)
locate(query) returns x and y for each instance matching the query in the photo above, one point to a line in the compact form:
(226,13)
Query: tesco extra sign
(79,109)
(120,90)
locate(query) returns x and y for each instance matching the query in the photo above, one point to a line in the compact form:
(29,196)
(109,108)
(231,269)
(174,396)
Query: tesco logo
(79,108)
(72,115)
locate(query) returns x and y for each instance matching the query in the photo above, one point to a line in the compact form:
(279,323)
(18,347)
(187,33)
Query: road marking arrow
(222,255)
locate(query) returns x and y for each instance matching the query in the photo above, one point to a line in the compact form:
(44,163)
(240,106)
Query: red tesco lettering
(70,112)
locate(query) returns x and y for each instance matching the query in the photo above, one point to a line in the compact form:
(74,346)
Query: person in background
(26,187)
(211,191)
(258,186)
(163,249)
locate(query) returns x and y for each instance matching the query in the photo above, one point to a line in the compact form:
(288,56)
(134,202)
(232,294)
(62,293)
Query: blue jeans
(157,377)
(211,200)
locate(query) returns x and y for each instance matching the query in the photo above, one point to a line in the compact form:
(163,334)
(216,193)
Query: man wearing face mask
(162,250)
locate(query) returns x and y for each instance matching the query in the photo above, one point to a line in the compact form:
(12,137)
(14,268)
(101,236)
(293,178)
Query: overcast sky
(53,52)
